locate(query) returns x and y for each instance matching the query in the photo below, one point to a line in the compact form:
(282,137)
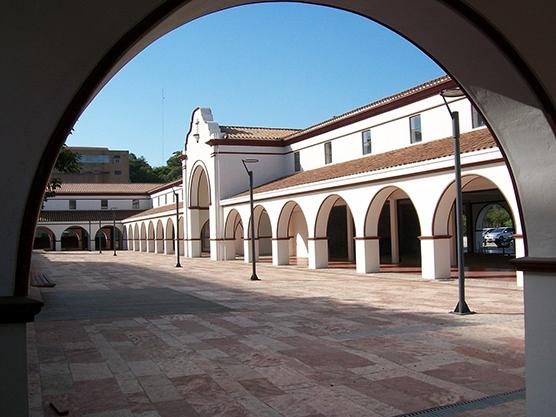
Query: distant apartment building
(98,165)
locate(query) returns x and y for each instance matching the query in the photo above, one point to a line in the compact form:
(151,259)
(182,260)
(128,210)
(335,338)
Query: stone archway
(159,237)
(44,239)
(333,235)
(198,209)
(291,241)
(505,71)
(233,236)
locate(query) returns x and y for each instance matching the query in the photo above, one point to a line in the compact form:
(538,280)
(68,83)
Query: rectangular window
(366,141)
(103,204)
(116,159)
(94,159)
(296,162)
(328,152)
(165,198)
(72,204)
(415,128)
(476,118)
(173,198)
(118,172)
(135,204)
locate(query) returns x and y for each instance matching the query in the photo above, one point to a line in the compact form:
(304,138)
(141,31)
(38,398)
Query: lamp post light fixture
(176,190)
(254,276)
(462,307)
(114,230)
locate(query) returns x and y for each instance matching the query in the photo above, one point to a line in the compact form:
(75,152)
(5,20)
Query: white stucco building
(372,186)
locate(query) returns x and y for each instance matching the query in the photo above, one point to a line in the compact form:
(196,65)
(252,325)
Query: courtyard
(133,336)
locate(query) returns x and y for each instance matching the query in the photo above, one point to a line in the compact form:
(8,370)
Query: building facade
(98,165)
(369,189)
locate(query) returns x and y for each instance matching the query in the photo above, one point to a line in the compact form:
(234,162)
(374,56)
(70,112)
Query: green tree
(67,162)
(172,170)
(498,216)
(141,171)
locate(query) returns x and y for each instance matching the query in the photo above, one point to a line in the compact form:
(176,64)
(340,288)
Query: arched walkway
(507,77)
(334,233)
(291,241)
(74,238)
(136,238)
(198,210)
(480,195)
(143,238)
(107,237)
(130,238)
(170,237)
(159,237)
(233,236)
(391,232)
(151,238)
(44,239)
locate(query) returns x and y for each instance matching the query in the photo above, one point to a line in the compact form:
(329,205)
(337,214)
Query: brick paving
(133,336)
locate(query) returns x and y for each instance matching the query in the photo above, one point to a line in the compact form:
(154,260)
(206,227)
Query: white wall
(389,131)
(94,202)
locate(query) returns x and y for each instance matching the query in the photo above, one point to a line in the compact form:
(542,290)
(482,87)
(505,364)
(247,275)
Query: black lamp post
(99,239)
(175,191)
(114,230)
(461,307)
(254,276)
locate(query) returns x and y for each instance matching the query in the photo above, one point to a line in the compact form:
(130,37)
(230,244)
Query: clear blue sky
(276,65)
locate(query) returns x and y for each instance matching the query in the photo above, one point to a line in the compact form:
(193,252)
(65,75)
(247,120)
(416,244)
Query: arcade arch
(291,243)
(150,238)
(44,239)
(159,237)
(170,237)
(198,209)
(74,238)
(233,236)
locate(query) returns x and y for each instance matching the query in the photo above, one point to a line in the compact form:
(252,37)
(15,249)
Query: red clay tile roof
(376,104)
(471,141)
(238,135)
(84,215)
(161,187)
(93,188)
(256,133)
(157,210)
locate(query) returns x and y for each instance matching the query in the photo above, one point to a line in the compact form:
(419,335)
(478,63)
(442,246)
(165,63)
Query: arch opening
(74,238)
(489,227)
(44,239)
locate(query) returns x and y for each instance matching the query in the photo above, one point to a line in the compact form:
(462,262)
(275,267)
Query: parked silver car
(501,236)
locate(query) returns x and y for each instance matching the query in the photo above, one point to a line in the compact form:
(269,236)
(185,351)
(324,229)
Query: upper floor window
(116,159)
(72,204)
(103,204)
(366,141)
(118,172)
(135,204)
(415,129)
(296,162)
(165,198)
(94,159)
(476,118)
(328,152)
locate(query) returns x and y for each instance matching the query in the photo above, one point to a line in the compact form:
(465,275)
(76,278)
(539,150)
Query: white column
(13,368)
(519,248)
(58,245)
(367,255)
(280,251)
(318,253)
(540,339)
(435,257)
(394,237)
(247,250)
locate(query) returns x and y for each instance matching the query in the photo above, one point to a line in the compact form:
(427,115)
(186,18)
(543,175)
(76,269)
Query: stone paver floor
(133,336)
